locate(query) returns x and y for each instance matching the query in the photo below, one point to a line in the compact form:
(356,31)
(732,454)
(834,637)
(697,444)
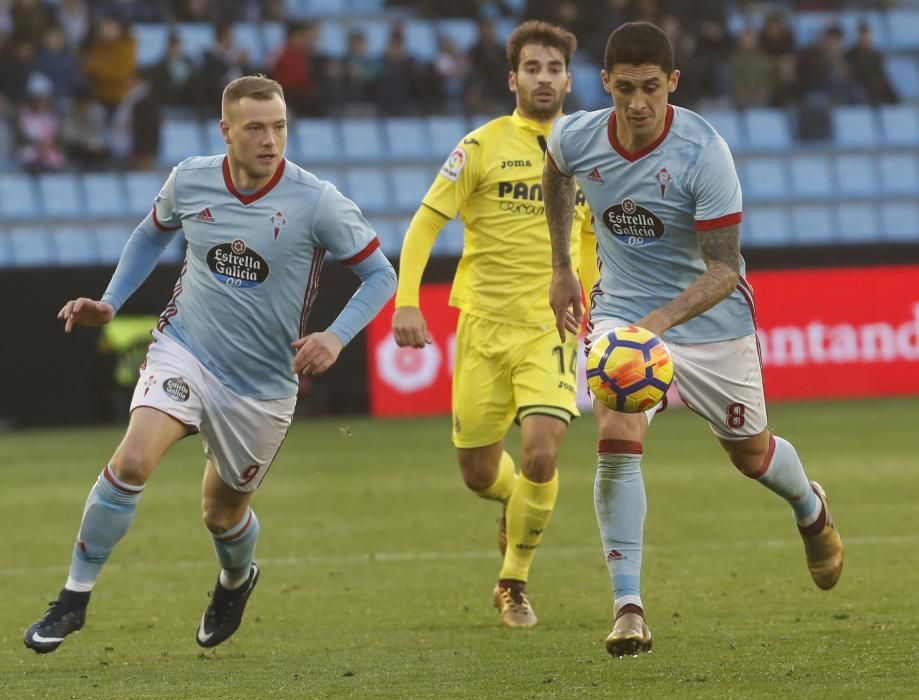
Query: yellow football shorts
(504,372)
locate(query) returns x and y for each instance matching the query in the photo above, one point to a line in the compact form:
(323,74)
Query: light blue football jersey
(647,207)
(252,267)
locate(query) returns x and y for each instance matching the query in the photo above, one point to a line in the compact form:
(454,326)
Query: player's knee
(537,462)
(132,465)
(218,519)
(477,477)
(750,456)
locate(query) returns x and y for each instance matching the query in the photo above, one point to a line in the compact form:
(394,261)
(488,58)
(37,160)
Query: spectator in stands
(451,68)
(399,75)
(38,128)
(136,125)
(361,73)
(486,90)
(17,58)
(297,68)
(110,61)
(30,19)
(223,63)
(777,40)
(866,66)
(683,46)
(58,62)
(751,72)
(173,77)
(710,59)
(84,132)
(75,20)
(823,73)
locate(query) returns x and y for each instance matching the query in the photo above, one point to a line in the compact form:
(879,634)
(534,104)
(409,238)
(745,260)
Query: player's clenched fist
(409,327)
(86,312)
(316,352)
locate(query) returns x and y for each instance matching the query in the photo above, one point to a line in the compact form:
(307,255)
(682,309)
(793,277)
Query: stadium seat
(855,126)
(899,125)
(333,39)
(142,189)
(389,234)
(104,195)
(407,138)
(213,139)
(587,86)
(317,8)
(60,193)
(811,177)
(903,29)
(727,123)
(420,39)
(767,129)
(151,42)
(180,139)
(110,240)
(904,71)
(855,175)
(410,184)
(317,142)
(899,173)
(764,179)
(362,139)
(273,35)
(463,32)
(196,38)
(246,36)
(813,224)
(74,245)
(808,26)
(858,223)
(446,133)
(369,188)
(376,34)
(901,221)
(18,199)
(31,247)
(764,227)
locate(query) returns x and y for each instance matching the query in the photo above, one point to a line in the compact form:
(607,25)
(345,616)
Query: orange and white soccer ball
(629,369)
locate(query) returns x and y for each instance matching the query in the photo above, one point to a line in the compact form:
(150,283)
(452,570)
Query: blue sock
(236,549)
(106,518)
(783,473)
(620,505)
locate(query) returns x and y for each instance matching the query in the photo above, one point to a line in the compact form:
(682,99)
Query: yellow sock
(503,487)
(528,513)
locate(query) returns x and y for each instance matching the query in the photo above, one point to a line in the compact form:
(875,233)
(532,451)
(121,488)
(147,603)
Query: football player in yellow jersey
(509,362)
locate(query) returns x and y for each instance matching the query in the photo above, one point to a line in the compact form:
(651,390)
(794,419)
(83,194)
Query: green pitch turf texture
(378,565)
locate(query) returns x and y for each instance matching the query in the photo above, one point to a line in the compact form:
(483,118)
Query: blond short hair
(256,87)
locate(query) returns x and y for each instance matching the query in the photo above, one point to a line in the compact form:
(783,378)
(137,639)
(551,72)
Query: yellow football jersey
(493,179)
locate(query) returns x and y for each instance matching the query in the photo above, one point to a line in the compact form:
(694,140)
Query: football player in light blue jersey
(667,208)
(229,347)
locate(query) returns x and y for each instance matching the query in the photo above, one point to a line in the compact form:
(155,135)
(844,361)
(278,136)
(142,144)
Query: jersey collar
(249,198)
(632,156)
(521,121)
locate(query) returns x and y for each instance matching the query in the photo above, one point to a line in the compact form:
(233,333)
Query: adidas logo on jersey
(594,176)
(205,216)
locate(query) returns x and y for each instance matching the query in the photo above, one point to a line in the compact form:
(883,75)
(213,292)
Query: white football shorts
(721,381)
(241,435)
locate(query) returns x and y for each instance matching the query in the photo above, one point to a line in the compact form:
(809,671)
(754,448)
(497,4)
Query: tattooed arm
(565,291)
(721,252)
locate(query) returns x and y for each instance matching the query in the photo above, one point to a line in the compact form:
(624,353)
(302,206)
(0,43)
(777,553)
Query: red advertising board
(824,333)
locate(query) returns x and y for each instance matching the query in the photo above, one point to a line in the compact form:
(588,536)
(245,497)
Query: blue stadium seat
(213,139)
(333,39)
(18,199)
(74,245)
(899,173)
(587,86)
(446,132)
(389,234)
(764,179)
(904,71)
(813,224)
(151,42)
(317,8)
(410,184)
(901,221)
(196,37)
(369,189)
(420,39)
(362,139)
(464,32)
(246,36)
(376,33)
(273,35)
(767,129)
(811,177)
(180,139)
(855,126)
(808,26)
(317,141)
(727,123)
(858,223)
(104,195)
(61,195)
(855,175)
(142,189)
(407,138)
(900,125)
(110,240)
(903,29)
(31,247)
(850,20)
(764,227)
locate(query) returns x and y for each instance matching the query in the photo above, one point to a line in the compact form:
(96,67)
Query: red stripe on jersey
(619,447)
(364,254)
(720,222)
(632,156)
(747,294)
(554,165)
(171,309)
(312,286)
(249,198)
(163,227)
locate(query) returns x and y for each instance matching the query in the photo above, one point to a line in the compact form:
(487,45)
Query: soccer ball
(629,369)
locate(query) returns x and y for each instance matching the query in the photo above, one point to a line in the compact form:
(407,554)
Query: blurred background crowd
(86,84)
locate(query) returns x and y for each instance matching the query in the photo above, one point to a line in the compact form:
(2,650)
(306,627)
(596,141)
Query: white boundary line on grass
(414,557)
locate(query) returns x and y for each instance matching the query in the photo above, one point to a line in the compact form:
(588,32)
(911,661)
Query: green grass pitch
(377,570)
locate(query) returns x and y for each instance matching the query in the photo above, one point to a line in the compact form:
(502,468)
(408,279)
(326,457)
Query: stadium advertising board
(824,333)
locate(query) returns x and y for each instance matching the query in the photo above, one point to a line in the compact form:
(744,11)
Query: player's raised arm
(565,291)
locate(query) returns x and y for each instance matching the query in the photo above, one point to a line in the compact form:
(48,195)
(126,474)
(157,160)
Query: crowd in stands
(72,94)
